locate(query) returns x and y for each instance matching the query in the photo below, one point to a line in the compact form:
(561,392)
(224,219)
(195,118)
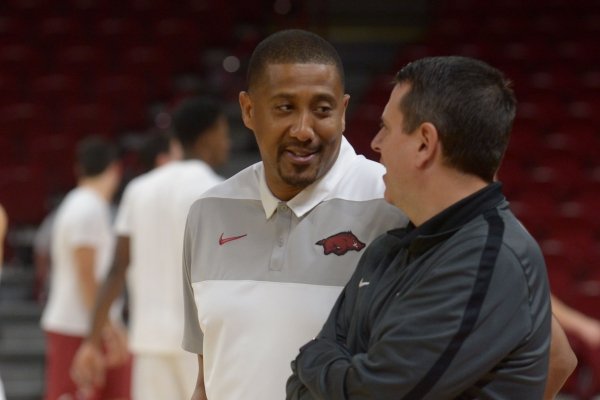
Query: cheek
(329,129)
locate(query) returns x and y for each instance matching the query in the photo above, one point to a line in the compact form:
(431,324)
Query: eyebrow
(319,97)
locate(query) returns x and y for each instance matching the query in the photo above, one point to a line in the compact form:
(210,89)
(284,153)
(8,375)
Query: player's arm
(577,323)
(200,391)
(111,288)
(562,361)
(3,227)
(88,365)
(85,260)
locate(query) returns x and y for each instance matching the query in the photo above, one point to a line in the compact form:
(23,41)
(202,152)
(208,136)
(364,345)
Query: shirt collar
(313,194)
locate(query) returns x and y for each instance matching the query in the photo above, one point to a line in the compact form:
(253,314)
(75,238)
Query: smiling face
(296,112)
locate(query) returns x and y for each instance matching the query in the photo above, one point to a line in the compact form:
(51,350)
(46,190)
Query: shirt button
(282,208)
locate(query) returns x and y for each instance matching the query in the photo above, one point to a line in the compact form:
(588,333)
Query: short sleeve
(192,333)
(86,230)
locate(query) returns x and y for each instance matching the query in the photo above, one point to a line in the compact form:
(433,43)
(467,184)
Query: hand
(589,332)
(115,343)
(88,368)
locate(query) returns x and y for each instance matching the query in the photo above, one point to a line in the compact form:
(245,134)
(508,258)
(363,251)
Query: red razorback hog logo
(340,243)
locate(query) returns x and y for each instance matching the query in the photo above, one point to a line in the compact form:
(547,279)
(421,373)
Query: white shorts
(160,376)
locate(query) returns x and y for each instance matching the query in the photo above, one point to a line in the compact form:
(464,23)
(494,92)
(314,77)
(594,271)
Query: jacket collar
(443,225)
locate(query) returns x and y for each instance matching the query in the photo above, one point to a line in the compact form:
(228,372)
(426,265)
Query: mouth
(300,156)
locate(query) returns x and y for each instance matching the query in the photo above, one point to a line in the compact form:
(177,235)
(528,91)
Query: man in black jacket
(456,305)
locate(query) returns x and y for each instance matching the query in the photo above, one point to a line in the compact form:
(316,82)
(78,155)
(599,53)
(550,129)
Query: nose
(302,129)
(376,142)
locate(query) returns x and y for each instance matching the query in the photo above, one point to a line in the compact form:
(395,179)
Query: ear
(345,103)
(247,109)
(429,144)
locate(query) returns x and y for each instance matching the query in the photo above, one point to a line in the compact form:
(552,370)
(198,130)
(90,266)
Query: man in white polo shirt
(267,252)
(150,225)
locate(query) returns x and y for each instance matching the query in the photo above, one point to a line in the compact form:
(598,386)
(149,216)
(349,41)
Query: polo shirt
(152,214)
(261,275)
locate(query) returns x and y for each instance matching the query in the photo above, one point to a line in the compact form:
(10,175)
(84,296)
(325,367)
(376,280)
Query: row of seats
(139,8)
(545,64)
(113,31)
(514,8)
(546,25)
(86,60)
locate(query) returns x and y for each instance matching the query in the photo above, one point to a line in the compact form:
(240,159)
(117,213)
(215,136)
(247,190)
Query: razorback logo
(340,243)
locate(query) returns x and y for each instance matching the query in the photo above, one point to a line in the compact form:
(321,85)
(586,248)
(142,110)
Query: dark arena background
(71,68)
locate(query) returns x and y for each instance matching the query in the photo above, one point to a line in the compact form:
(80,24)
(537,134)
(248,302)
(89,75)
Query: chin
(387,197)
(302,178)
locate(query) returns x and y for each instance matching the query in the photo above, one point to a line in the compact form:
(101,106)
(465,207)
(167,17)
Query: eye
(283,107)
(324,110)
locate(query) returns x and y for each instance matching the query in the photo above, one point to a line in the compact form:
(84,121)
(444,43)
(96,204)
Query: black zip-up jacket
(456,308)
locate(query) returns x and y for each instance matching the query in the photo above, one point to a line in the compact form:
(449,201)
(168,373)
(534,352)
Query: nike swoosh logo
(363,283)
(223,240)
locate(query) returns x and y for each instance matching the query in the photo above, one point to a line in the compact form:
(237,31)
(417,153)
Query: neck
(197,155)
(99,185)
(441,193)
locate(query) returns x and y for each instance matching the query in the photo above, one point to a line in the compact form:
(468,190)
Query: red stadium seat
(578,52)
(183,38)
(23,119)
(11,90)
(153,60)
(12,29)
(28,6)
(7,151)
(79,120)
(83,60)
(574,140)
(540,110)
(118,33)
(127,95)
(23,194)
(524,143)
(57,31)
(20,60)
(54,154)
(559,177)
(514,177)
(57,90)
(588,203)
(578,246)
(534,209)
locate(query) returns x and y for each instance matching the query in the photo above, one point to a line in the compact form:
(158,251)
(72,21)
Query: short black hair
(153,145)
(193,117)
(94,155)
(292,46)
(471,104)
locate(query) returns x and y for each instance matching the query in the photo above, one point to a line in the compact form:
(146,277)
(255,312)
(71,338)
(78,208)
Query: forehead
(392,108)
(296,79)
